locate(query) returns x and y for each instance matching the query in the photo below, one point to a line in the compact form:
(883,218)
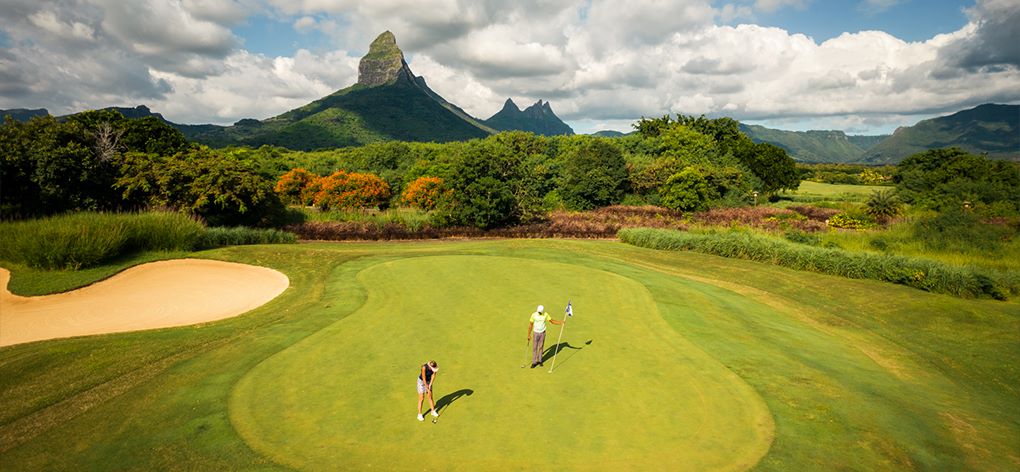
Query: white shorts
(421,386)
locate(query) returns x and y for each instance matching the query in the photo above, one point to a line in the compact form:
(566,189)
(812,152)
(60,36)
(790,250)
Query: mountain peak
(384,63)
(509,105)
(539,110)
(537,118)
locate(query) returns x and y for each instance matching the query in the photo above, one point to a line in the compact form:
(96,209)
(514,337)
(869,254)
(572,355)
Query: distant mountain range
(608,133)
(986,129)
(22,114)
(814,146)
(390,103)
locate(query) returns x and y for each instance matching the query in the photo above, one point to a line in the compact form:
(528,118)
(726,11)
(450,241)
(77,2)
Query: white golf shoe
(420,417)
(435,414)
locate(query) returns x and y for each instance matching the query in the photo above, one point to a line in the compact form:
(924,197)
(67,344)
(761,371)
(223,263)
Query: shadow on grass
(448,399)
(552,350)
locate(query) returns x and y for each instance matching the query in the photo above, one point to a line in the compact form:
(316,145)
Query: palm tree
(883,205)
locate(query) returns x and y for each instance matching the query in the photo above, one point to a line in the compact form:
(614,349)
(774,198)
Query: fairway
(810,188)
(673,361)
(623,374)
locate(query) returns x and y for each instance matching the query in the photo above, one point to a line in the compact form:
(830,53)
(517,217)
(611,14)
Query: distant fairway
(818,189)
(694,362)
(349,389)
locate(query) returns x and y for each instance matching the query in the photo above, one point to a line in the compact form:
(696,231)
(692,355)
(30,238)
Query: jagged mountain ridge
(538,118)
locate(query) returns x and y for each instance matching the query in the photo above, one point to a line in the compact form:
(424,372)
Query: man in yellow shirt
(536,326)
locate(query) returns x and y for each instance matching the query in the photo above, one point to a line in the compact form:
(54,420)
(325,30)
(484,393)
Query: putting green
(628,390)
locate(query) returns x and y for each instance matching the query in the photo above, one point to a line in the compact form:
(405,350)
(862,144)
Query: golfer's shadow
(549,353)
(449,398)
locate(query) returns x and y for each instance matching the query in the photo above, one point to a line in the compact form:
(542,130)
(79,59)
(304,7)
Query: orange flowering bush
(425,192)
(350,190)
(292,184)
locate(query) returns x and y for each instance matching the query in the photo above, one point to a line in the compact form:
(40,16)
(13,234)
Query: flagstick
(558,343)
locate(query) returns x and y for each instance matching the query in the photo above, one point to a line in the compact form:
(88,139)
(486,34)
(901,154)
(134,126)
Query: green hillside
(814,146)
(866,141)
(992,129)
(22,114)
(608,133)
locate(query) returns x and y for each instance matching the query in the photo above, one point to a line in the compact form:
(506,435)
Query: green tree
(942,179)
(480,179)
(223,190)
(150,134)
(770,164)
(725,132)
(653,127)
(594,174)
(21,146)
(687,190)
(51,166)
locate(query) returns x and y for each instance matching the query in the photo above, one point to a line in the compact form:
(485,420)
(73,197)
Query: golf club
(528,345)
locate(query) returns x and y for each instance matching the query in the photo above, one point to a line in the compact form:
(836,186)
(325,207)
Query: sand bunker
(157,295)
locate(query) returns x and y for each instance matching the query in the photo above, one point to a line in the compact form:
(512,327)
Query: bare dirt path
(155,295)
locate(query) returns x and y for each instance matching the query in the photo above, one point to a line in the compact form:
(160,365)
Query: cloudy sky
(864,66)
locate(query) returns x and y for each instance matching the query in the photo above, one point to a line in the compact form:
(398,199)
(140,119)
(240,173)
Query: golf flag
(570,311)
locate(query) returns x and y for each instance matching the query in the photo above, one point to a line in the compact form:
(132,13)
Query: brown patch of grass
(597,224)
(768,218)
(814,213)
(602,223)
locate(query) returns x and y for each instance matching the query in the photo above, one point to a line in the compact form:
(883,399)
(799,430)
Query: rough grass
(80,240)
(84,240)
(924,274)
(856,374)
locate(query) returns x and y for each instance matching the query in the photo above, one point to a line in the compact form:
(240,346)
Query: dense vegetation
(100,161)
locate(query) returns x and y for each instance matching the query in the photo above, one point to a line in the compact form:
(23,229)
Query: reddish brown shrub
(815,213)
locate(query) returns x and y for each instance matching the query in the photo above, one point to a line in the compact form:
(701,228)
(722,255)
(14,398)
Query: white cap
(541,309)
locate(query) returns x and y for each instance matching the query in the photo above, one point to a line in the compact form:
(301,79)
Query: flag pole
(560,338)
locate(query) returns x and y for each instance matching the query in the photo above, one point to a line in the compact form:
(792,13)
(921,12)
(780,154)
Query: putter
(528,345)
(434,408)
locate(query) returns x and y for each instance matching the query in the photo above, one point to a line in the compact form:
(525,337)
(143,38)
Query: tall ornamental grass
(924,274)
(411,218)
(79,240)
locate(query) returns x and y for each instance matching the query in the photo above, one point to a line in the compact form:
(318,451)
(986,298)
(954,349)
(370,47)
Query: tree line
(101,161)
